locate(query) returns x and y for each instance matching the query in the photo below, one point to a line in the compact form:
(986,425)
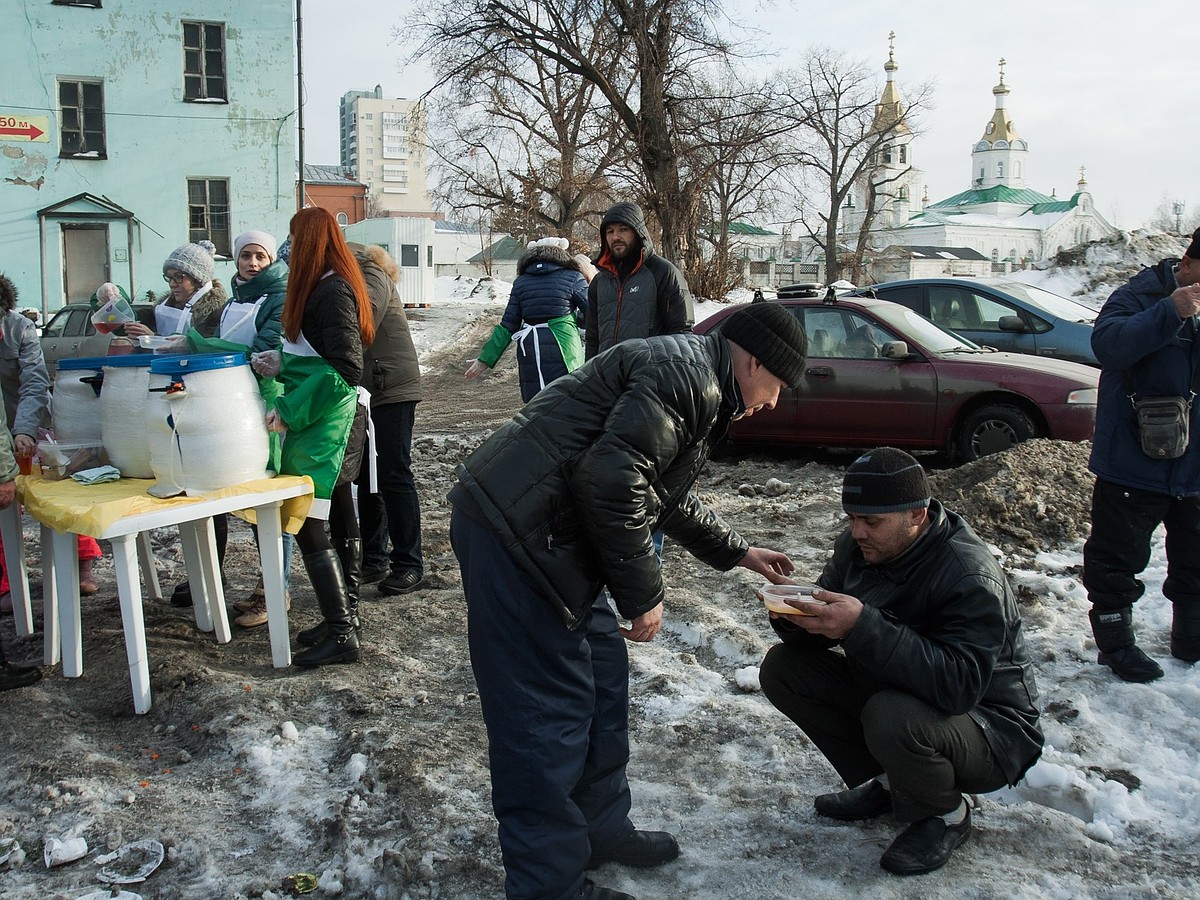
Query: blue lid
(128,361)
(196,362)
(83,362)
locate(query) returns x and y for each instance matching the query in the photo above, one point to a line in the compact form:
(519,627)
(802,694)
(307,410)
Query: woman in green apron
(326,323)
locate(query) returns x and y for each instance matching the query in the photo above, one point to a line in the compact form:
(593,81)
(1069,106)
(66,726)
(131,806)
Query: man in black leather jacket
(932,694)
(559,503)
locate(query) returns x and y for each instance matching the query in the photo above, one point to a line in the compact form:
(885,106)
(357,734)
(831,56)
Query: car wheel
(991,429)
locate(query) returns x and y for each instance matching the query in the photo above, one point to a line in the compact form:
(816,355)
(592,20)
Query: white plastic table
(120,512)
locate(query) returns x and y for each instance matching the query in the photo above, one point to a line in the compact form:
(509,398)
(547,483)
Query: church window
(981,173)
(887,154)
(903,154)
(1000,169)
(995,254)
(1016,170)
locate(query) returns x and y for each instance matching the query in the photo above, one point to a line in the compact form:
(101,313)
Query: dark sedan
(997,313)
(880,374)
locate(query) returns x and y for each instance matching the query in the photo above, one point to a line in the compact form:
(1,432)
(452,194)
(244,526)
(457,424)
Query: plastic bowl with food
(776,597)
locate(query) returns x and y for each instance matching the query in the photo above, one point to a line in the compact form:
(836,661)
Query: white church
(999,216)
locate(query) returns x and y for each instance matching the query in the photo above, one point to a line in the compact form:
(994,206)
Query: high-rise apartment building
(383,142)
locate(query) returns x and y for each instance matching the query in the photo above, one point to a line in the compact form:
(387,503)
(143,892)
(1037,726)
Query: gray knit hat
(773,336)
(196,260)
(886,480)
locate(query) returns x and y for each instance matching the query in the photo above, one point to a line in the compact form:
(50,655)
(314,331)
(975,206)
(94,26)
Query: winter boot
(349,553)
(340,643)
(1113,630)
(182,595)
(1185,632)
(87,581)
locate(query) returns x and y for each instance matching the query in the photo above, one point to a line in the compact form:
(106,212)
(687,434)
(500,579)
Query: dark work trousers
(1118,548)
(395,511)
(556,706)
(930,758)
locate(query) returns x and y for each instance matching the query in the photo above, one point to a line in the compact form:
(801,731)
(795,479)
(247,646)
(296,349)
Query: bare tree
(657,44)
(524,143)
(1171,215)
(835,99)
(736,144)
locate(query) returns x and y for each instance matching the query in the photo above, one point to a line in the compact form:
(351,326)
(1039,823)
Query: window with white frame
(204,61)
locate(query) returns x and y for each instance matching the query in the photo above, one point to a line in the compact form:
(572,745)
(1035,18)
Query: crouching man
(932,695)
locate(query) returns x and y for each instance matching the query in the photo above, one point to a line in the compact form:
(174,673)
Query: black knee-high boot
(340,644)
(349,553)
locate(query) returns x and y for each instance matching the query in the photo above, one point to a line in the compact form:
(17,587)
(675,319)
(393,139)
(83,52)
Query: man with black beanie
(1146,340)
(930,694)
(559,503)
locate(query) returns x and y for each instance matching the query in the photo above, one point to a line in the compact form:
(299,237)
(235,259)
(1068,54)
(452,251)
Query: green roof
(745,228)
(507,247)
(1055,206)
(998,194)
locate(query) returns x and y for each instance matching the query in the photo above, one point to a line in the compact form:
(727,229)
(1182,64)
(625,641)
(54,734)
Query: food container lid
(196,362)
(128,361)
(84,362)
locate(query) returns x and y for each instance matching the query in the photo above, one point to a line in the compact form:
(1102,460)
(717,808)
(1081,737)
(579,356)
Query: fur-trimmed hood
(542,253)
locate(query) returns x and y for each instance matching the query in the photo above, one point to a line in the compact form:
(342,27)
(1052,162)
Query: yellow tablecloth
(68,506)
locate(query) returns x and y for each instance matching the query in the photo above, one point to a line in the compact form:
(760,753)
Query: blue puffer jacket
(1139,332)
(549,289)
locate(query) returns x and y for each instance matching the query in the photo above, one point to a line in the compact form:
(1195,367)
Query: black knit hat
(773,336)
(1193,250)
(886,480)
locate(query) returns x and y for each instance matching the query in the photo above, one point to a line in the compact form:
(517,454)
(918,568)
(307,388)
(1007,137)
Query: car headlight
(1086,396)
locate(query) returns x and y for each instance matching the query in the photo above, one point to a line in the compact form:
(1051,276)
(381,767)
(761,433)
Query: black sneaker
(372,574)
(863,802)
(642,849)
(925,845)
(400,583)
(592,891)
(1131,664)
(17,676)
(182,595)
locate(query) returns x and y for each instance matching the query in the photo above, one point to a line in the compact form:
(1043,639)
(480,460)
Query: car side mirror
(895,350)
(1011,323)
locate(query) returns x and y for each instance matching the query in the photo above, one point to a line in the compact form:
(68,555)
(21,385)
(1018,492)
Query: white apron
(237,321)
(168,320)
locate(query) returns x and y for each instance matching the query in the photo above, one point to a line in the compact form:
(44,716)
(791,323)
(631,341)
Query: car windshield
(932,337)
(1058,306)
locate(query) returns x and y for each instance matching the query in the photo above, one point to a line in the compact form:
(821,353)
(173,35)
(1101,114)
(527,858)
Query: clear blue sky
(1105,84)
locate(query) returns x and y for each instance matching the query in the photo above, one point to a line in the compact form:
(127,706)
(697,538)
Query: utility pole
(299,108)
(1177,208)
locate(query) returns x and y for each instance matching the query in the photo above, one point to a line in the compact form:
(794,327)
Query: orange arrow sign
(29,132)
(15,127)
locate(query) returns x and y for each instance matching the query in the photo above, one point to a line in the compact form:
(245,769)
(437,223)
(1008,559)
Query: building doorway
(85,260)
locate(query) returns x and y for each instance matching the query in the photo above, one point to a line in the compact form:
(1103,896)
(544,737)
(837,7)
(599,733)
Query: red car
(880,374)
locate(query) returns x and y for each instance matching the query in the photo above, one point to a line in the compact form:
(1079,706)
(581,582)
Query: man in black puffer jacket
(932,693)
(559,503)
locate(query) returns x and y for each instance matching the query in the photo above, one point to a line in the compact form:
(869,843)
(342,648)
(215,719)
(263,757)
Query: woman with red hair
(327,321)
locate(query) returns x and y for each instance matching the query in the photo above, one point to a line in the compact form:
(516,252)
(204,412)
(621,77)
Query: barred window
(204,61)
(81,119)
(208,212)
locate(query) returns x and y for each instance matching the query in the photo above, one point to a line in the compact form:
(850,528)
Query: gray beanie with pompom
(197,260)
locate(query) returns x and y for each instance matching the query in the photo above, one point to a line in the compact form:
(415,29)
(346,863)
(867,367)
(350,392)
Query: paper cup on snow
(59,851)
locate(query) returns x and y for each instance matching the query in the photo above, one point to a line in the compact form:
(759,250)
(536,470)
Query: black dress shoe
(400,583)
(642,849)
(925,845)
(863,802)
(1131,664)
(592,891)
